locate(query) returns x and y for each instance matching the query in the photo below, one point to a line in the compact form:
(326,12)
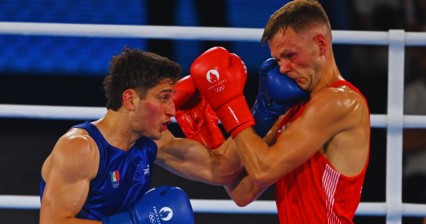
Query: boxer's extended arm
(192,160)
(67,173)
(333,118)
(188,158)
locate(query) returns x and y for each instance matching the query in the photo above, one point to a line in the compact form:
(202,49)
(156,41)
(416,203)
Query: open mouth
(164,125)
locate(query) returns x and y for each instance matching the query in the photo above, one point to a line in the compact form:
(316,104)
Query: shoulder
(76,141)
(75,150)
(341,98)
(336,103)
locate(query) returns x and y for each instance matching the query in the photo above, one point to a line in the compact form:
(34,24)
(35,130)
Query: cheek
(305,62)
(152,110)
(149,115)
(299,63)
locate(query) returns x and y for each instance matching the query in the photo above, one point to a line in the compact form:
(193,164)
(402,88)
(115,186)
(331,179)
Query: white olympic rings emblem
(151,217)
(220,88)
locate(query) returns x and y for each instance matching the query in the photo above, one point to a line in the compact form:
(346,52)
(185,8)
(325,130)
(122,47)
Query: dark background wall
(68,71)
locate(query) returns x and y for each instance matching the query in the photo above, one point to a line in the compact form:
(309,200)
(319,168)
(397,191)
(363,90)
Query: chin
(156,137)
(153,136)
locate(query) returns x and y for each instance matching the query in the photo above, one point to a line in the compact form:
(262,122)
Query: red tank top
(315,192)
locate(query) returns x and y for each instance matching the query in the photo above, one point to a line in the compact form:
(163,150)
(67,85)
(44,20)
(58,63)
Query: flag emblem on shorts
(115,178)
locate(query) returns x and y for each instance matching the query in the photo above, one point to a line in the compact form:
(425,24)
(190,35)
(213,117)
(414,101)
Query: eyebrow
(166,91)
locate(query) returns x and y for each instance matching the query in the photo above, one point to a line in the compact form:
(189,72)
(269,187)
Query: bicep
(63,198)
(67,173)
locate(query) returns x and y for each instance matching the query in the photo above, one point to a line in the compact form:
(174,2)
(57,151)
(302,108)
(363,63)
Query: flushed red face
(298,55)
(155,111)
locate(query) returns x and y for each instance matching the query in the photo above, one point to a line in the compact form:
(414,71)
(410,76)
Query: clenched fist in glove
(163,204)
(220,77)
(194,115)
(276,94)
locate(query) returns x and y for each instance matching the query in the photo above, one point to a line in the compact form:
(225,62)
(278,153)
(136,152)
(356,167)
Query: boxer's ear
(321,42)
(128,97)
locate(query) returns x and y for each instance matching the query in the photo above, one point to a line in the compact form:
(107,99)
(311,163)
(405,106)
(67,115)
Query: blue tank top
(123,176)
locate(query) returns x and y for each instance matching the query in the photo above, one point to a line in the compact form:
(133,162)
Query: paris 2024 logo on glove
(156,217)
(213,77)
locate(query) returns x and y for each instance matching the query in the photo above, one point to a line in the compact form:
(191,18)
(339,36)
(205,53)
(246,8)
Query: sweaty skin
(74,160)
(335,122)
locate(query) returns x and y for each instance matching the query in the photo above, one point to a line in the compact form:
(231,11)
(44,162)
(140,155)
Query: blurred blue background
(82,56)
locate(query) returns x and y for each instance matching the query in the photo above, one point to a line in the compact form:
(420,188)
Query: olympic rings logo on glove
(220,88)
(152,218)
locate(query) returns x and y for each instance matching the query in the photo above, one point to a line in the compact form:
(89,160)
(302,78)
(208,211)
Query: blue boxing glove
(277,94)
(163,204)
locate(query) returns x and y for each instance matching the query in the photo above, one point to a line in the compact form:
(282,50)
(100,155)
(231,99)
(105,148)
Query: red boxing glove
(220,77)
(194,115)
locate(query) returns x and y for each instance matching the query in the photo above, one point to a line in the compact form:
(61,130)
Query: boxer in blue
(100,171)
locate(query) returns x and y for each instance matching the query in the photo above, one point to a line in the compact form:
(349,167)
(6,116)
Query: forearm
(254,154)
(192,160)
(227,165)
(244,190)
(184,157)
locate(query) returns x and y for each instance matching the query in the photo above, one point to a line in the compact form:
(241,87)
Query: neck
(329,75)
(115,130)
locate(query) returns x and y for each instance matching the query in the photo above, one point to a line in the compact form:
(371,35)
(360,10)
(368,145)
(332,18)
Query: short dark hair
(297,14)
(138,70)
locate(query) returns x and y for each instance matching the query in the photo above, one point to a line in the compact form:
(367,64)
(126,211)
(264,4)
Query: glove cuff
(235,116)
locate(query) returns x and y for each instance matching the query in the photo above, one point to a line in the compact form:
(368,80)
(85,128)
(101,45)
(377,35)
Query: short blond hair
(298,15)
